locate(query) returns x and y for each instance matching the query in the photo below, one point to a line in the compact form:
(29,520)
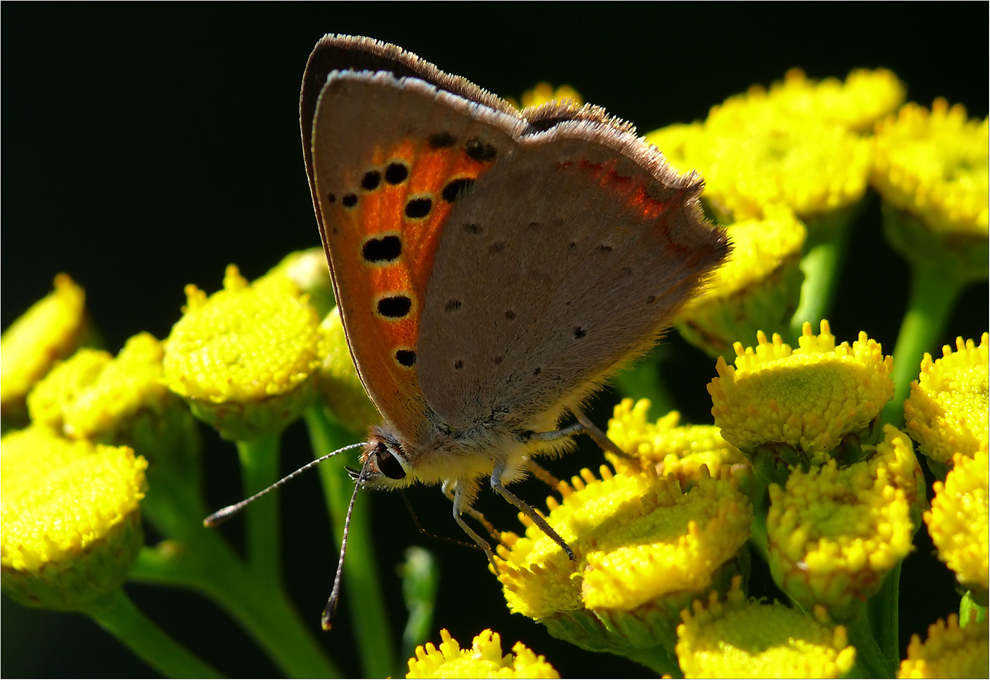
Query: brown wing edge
(355,53)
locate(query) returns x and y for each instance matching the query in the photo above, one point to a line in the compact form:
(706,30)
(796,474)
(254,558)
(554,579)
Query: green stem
(198,559)
(758,532)
(420,582)
(934,291)
(882,610)
(822,266)
(361,580)
(869,658)
(657,659)
(825,250)
(259,462)
(118,616)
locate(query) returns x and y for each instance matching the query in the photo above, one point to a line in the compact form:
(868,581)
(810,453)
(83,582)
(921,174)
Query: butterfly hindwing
(571,258)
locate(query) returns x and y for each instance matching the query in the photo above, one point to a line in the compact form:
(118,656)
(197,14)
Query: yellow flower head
(949,652)
(757,288)
(755,156)
(71,526)
(244,358)
(340,386)
(798,407)
(643,550)
(544,92)
(681,144)
(947,410)
(308,271)
(958,520)
(934,165)
(680,451)
(864,98)
(90,395)
(120,401)
(743,638)
(483,660)
(833,534)
(51,329)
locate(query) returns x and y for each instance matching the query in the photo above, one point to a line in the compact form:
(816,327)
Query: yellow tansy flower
(743,638)
(51,329)
(934,165)
(308,271)
(755,156)
(958,520)
(91,394)
(680,143)
(672,449)
(71,526)
(120,401)
(339,384)
(834,534)
(864,98)
(244,358)
(947,410)
(800,407)
(949,652)
(483,660)
(643,550)
(758,288)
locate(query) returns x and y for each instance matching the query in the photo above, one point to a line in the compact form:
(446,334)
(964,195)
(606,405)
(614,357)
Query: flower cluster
(805,475)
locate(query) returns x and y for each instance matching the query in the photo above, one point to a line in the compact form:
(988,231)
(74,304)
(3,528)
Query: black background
(147,146)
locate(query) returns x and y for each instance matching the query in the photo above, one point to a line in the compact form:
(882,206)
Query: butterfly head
(383,462)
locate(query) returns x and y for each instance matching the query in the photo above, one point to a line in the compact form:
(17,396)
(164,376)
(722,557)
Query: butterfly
(492,267)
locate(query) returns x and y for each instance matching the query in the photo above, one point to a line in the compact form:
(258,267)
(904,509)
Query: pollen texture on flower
(90,394)
(758,288)
(483,660)
(50,330)
(643,550)
(246,358)
(672,449)
(950,651)
(71,527)
(743,638)
(807,399)
(834,533)
(958,520)
(947,410)
(243,343)
(934,165)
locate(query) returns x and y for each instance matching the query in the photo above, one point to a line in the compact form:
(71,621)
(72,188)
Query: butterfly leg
(459,507)
(600,437)
(542,474)
(526,509)
(473,514)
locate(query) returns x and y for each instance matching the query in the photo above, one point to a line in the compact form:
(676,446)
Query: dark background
(146,147)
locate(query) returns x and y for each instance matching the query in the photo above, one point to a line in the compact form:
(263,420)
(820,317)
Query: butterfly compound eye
(388,464)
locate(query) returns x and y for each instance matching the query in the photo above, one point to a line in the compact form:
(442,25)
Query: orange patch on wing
(374,339)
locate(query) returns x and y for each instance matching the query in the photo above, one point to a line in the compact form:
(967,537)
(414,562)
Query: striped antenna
(327,619)
(222,515)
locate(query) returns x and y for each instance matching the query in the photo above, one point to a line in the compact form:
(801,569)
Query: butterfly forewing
(390,159)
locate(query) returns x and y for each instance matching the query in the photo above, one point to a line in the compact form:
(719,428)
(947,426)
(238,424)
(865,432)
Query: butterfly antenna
(327,619)
(222,515)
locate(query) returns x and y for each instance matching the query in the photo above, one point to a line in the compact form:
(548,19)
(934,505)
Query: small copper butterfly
(492,267)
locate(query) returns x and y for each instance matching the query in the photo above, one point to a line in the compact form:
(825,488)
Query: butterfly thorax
(443,454)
